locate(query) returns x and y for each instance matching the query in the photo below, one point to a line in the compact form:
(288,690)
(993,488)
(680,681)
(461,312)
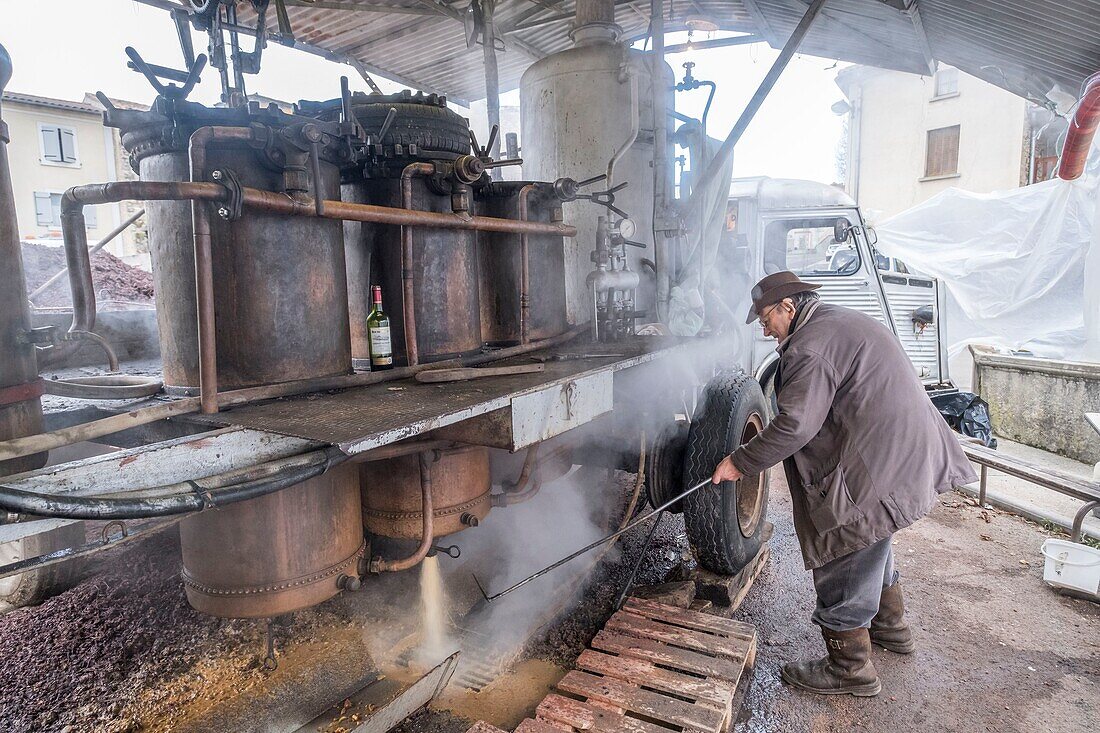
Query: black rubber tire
(711,514)
(427,126)
(664,466)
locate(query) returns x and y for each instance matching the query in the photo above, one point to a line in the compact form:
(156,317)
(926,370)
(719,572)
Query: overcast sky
(64,48)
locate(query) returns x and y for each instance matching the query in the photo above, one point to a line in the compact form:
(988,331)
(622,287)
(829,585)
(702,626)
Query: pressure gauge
(627,228)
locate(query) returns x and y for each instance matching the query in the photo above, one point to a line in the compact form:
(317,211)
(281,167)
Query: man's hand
(726,471)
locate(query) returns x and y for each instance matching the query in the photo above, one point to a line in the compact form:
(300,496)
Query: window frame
(936,77)
(928,174)
(91,215)
(826,221)
(42,128)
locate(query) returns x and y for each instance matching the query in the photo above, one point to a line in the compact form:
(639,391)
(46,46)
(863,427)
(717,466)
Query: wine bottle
(378,326)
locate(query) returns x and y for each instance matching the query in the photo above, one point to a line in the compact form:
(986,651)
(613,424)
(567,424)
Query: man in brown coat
(865,454)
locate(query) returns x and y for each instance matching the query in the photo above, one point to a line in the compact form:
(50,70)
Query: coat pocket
(829,502)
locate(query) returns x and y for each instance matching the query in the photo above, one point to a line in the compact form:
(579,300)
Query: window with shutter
(68,145)
(43,209)
(58,144)
(942,152)
(51,143)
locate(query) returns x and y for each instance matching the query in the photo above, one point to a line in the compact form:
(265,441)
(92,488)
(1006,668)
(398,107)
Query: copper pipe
(204,265)
(75,237)
(408,289)
(524,269)
(378,565)
(19,447)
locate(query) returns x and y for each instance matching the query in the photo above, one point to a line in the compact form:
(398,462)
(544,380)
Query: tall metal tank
(20,407)
(276,554)
(444,267)
(280,296)
(280,291)
(500,266)
(577,109)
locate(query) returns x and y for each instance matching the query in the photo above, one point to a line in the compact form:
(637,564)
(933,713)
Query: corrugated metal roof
(1026,46)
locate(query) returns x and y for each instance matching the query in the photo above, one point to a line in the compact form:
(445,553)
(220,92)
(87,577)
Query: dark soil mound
(113,278)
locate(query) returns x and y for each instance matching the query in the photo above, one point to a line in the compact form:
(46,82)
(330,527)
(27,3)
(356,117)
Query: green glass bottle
(378,327)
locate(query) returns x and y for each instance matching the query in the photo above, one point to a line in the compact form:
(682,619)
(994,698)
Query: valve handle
(154,73)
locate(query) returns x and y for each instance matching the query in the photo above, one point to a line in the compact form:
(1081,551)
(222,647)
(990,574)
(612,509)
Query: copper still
(276,278)
(279,553)
(405,129)
(392,498)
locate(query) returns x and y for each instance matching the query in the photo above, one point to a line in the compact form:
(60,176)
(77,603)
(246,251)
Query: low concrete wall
(1041,402)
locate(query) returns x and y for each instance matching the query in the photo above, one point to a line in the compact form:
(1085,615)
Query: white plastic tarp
(1021,267)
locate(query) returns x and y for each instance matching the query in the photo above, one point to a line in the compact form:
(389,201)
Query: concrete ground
(998,650)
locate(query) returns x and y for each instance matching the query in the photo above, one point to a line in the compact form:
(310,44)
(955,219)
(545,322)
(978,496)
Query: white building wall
(896,110)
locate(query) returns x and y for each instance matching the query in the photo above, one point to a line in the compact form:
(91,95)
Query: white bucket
(1072,565)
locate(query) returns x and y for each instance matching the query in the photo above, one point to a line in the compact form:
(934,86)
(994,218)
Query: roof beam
(922,37)
(715,43)
(360,7)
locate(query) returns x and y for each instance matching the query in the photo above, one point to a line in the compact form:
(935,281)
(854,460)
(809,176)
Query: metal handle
(154,73)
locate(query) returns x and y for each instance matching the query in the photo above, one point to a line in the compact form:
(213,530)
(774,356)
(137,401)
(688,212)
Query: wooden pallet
(654,668)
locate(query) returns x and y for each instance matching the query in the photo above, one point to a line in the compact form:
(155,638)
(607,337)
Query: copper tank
(278,553)
(460,491)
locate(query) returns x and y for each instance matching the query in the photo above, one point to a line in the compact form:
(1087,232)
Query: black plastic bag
(967,413)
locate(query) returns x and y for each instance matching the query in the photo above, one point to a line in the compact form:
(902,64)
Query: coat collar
(800,321)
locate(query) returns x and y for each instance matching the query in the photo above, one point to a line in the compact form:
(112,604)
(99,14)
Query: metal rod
(524,269)
(982,486)
(591,546)
(94,248)
(1079,519)
(713,43)
(71,553)
(789,50)
(638,562)
(662,245)
(204,263)
(492,78)
(408,283)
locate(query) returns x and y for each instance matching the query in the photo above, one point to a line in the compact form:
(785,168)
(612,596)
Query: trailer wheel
(725,522)
(664,466)
(28,539)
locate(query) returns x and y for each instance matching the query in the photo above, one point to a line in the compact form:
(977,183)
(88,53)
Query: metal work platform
(514,411)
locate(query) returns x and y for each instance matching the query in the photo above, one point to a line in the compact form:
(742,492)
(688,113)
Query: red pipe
(1075,150)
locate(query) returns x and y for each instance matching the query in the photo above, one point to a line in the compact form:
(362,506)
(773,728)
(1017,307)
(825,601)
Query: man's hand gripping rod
(597,543)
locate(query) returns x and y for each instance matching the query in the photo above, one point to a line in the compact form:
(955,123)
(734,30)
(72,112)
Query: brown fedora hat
(774,288)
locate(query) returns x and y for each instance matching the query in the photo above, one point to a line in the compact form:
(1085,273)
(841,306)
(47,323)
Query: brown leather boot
(888,628)
(846,670)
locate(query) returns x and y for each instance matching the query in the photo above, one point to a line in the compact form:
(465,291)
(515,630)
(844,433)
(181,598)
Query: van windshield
(807,248)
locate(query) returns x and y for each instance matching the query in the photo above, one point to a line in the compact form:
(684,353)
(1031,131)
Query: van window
(807,247)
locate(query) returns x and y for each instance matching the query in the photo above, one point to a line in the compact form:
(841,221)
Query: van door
(915,304)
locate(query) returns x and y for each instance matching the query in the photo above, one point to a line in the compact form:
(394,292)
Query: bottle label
(381,351)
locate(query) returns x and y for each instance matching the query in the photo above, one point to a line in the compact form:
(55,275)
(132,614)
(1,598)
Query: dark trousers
(848,588)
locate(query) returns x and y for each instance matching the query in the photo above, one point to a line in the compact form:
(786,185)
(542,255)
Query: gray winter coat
(864,450)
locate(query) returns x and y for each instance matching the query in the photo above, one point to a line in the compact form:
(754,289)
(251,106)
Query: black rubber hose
(75,507)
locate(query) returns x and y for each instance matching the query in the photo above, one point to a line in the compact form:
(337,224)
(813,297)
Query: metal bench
(1050,478)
